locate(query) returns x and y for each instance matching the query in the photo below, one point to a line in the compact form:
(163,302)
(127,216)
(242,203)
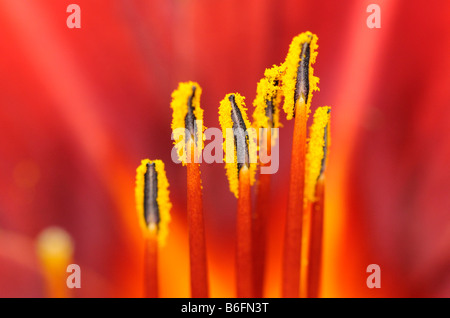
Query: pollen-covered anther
(268,99)
(240,139)
(298,79)
(152,198)
(317,152)
(187,119)
(302,84)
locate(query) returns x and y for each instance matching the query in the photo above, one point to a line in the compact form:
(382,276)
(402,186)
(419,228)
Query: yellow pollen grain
(162,199)
(179,105)
(291,64)
(315,152)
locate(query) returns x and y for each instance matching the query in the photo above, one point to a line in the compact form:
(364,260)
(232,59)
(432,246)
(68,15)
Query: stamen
(298,80)
(313,215)
(241,166)
(316,199)
(298,85)
(240,137)
(153,207)
(268,99)
(302,85)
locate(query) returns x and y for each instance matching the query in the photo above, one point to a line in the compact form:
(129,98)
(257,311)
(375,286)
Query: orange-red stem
(151,266)
(293,229)
(259,232)
(197,244)
(304,260)
(259,226)
(244,237)
(316,239)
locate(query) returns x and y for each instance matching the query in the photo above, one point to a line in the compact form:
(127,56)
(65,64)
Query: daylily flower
(80,108)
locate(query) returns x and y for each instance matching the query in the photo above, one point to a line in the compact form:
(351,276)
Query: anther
(151,209)
(302,84)
(190,119)
(240,135)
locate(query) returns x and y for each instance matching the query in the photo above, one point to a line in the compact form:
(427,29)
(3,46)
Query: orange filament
(197,244)
(151,264)
(316,238)
(244,237)
(294,217)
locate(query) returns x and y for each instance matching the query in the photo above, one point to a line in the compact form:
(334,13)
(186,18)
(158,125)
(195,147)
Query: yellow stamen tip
(185,96)
(291,67)
(231,160)
(162,199)
(268,91)
(318,144)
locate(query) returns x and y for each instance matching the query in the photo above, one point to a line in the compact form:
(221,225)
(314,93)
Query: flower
(82,107)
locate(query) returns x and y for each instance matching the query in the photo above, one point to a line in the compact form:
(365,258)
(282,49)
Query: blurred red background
(81,107)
